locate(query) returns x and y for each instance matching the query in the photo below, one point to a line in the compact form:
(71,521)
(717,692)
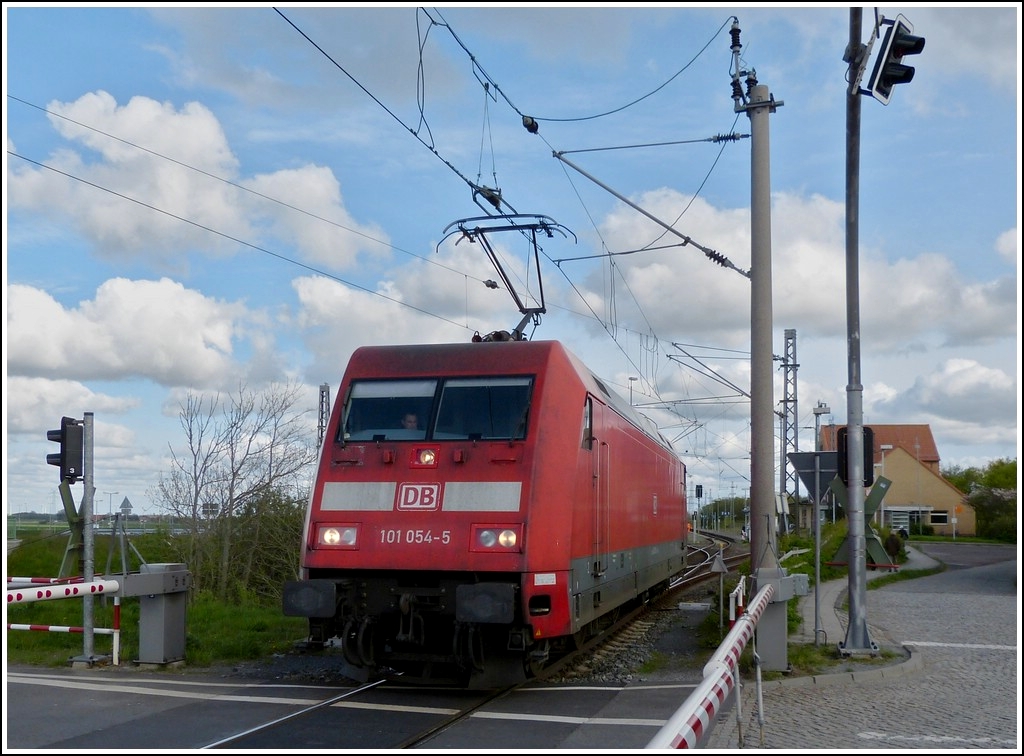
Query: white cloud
(29,399)
(160,191)
(1008,246)
(973,45)
(964,391)
(178,167)
(154,329)
(309,212)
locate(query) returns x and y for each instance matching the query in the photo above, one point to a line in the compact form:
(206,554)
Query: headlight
(424,456)
(498,538)
(338,536)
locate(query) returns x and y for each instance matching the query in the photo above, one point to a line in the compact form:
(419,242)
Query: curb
(725,732)
(911,663)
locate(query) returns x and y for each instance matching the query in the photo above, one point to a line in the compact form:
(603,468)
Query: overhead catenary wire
(574,119)
(248,190)
(414,132)
(421,129)
(710,253)
(494,196)
(530,123)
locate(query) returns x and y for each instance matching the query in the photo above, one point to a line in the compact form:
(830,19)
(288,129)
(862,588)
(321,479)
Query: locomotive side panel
(620,500)
(630,517)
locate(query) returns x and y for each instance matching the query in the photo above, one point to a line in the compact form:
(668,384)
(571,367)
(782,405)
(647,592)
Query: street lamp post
(881,505)
(821,409)
(110,502)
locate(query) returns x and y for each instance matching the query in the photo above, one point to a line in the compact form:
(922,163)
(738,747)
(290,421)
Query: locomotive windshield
(493,408)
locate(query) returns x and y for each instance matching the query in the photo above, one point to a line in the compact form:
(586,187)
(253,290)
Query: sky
(198,198)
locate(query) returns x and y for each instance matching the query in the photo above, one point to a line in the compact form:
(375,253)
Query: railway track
(621,640)
(634,629)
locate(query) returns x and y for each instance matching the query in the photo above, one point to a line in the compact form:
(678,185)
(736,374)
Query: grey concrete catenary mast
(772,632)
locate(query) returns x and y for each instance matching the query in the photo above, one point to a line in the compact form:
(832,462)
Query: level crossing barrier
(161,589)
(24,590)
(693,720)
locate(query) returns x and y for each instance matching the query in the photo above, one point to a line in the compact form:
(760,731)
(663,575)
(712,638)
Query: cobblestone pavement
(958,690)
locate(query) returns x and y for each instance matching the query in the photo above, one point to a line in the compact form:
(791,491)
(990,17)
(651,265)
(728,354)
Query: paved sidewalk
(957,687)
(831,603)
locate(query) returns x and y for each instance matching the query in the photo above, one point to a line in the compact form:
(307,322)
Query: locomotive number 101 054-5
(415,536)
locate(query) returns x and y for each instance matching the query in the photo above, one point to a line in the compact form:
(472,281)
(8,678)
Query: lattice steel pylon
(788,477)
(325,412)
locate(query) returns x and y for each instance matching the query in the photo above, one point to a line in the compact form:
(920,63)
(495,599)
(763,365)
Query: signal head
(889,68)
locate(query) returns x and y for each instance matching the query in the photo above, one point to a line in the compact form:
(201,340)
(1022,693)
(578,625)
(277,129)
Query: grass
(219,634)
(658,660)
(806,659)
(214,633)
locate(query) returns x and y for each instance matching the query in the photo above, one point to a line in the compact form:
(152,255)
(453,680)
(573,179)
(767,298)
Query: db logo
(419,496)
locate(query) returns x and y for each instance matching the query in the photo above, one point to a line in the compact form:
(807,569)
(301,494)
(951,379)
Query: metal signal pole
(858,639)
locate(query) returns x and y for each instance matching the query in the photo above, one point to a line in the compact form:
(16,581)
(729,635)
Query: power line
(313,269)
(476,188)
(236,185)
(235,239)
(619,109)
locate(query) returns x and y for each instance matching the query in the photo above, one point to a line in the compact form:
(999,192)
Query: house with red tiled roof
(919,495)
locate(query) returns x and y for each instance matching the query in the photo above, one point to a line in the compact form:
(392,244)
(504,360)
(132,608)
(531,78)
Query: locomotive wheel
(348,649)
(476,649)
(365,642)
(538,658)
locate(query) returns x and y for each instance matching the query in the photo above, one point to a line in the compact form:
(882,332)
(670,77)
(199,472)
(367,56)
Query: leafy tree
(964,478)
(992,493)
(1002,473)
(996,512)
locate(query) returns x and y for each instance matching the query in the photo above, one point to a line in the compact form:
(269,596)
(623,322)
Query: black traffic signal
(869,456)
(699,491)
(889,69)
(69,459)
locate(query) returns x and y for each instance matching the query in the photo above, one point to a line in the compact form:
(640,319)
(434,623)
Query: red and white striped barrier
(23,581)
(71,590)
(60,628)
(58,588)
(694,718)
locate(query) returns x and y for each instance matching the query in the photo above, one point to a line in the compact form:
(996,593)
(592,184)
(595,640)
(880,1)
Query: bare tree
(238,454)
(186,492)
(266,447)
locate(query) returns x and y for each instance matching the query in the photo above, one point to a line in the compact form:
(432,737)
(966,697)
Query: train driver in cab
(410,421)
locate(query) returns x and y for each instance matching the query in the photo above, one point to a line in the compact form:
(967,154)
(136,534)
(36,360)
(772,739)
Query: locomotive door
(600,501)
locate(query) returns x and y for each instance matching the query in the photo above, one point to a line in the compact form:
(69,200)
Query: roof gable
(916,440)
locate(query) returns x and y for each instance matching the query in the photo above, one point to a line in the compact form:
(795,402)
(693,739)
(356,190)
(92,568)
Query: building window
(940,517)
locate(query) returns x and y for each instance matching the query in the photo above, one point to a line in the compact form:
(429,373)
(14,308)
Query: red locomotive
(479,509)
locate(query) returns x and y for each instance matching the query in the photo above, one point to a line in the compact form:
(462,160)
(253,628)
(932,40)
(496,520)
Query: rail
(693,720)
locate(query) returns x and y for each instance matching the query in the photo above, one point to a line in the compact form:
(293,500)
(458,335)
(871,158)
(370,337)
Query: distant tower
(788,478)
(325,412)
